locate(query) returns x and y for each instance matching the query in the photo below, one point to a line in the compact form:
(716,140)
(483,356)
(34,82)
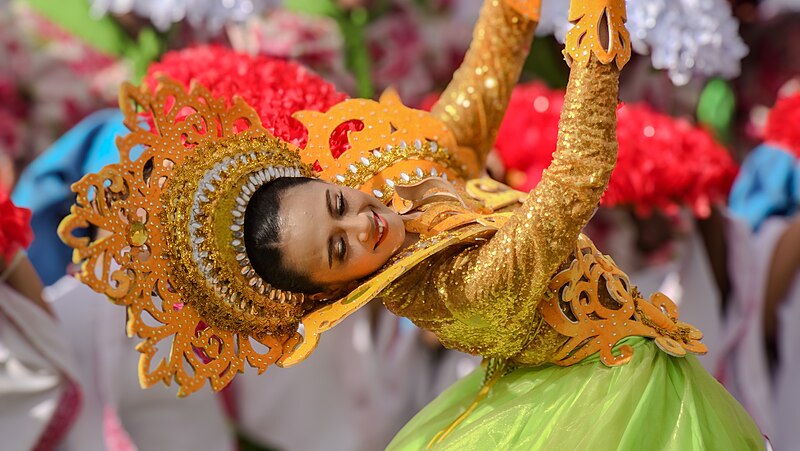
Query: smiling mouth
(381,228)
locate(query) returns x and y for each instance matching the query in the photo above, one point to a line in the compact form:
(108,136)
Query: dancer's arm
(20,275)
(486,296)
(476,99)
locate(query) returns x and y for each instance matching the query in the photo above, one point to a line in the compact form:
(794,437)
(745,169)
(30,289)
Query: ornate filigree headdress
(174,204)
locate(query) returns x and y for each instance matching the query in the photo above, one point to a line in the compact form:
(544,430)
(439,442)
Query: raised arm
(487,296)
(475,101)
(545,229)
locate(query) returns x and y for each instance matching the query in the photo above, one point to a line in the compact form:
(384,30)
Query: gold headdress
(174,207)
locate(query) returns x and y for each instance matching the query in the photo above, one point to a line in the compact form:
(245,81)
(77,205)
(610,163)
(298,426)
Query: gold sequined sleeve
(475,101)
(485,296)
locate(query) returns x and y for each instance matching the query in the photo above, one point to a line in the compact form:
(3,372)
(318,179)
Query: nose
(359,226)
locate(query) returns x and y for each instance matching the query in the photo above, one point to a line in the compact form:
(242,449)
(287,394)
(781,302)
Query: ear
(335,292)
(320,296)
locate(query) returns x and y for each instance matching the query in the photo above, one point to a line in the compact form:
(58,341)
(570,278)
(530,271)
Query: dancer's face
(337,235)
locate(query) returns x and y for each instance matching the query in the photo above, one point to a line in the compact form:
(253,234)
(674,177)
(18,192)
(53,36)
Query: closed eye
(337,248)
(341,207)
(341,250)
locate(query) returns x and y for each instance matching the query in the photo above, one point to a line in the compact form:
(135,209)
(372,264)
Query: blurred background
(702,206)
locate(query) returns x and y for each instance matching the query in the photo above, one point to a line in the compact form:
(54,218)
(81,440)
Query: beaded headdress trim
(174,208)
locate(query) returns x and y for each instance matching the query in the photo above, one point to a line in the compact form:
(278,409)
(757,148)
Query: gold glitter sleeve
(474,102)
(486,295)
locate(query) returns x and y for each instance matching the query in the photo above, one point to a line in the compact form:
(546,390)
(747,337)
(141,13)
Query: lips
(381,229)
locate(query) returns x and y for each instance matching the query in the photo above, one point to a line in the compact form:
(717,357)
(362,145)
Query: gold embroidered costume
(482,275)
(496,272)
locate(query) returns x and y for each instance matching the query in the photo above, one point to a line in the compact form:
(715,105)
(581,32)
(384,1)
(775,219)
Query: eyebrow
(330,240)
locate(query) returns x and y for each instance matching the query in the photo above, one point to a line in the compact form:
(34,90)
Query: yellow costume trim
(324,318)
(586,38)
(132,265)
(175,246)
(174,208)
(593,303)
(174,250)
(394,140)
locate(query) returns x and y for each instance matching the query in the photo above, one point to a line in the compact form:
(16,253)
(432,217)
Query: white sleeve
(35,368)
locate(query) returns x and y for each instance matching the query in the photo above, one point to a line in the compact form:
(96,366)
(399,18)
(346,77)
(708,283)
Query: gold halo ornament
(173,213)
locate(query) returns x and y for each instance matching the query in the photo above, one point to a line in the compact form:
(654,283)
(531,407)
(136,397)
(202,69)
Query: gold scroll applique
(131,266)
(594,304)
(586,37)
(393,144)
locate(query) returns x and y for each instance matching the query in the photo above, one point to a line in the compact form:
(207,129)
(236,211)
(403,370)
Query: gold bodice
(537,291)
(483,298)
(505,279)
(588,307)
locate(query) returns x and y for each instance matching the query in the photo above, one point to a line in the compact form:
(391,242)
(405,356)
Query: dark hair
(262,236)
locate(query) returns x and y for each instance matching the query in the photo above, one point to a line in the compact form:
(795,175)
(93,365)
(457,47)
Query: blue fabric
(768,184)
(44,187)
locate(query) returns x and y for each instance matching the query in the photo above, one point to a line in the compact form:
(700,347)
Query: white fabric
(354,393)
(117,413)
(787,380)
(210,14)
(772,399)
(35,365)
(743,368)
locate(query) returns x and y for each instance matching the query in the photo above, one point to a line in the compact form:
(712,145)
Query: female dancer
(243,247)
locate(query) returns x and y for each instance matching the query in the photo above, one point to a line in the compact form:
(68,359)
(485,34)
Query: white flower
(209,14)
(684,37)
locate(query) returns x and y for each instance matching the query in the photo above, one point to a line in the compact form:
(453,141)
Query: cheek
(397,231)
(365,263)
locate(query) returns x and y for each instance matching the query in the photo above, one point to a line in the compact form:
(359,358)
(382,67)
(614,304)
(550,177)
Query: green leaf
(317,7)
(716,108)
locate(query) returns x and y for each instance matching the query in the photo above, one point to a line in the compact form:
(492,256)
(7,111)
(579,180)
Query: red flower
(274,87)
(783,124)
(15,227)
(527,137)
(663,162)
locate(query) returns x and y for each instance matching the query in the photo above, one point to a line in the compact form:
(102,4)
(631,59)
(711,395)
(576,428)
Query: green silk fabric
(654,402)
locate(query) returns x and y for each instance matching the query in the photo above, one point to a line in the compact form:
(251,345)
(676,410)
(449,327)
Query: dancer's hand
(20,275)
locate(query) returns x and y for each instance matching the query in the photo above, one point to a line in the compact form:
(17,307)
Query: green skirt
(654,402)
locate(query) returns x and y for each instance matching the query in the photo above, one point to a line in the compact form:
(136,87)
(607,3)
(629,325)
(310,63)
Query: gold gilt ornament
(594,21)
(168,216)
(395,143)
(131,265)
(173,210)
(594,304)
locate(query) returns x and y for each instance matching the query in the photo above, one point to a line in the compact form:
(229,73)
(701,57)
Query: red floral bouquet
(275,88)
(15,227)
(783,125)
(527,137)
(663,162)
